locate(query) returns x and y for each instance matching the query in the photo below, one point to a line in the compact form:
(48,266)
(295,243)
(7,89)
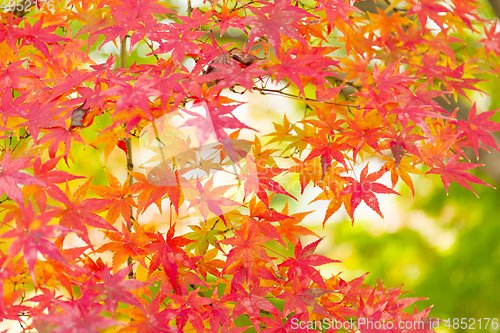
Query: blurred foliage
(462,281)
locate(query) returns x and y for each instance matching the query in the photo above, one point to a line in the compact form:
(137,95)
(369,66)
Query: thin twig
(189,9)
(128,143)
(304,99)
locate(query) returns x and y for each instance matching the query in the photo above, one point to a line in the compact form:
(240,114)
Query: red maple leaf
(258,180)
(40,115)
(394,303)
(417,107)
(426,9)
(8,310)
(218,116)
(80,212)
(247,248)
(432,69)
(361,136)
(189,307)
(327,121)
(218,313)
(229,75)
(371,313)
(294,66)
(390,78)
(180,39)
(73,80)
(461,83)
(131,16)
(336,9)
(46,174)
(250,301)
(39,37)
(227,18)
(14,77)
(273,20)
(151,319)
(138,10)
(81,315)
(454,171)
(328,149)
(301,267)
(9,106)
(401,142)
(169,253)
(10,176)
(466,10)
(351,290)
(477,128)
(31,237)
(10,31)
(211,198)
(136,95)
(302,296)
(56,136)
(197,19)
(117,197)
(160,180)
(492,40)
(126,243)
(114,288)
(365,190)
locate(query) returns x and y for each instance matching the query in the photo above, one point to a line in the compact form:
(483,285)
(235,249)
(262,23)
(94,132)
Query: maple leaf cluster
(370,84)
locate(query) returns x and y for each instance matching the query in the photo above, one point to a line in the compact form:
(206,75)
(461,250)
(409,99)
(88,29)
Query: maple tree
(370,83)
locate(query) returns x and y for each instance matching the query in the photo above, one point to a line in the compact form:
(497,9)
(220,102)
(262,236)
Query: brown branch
(128,143)
(495,5)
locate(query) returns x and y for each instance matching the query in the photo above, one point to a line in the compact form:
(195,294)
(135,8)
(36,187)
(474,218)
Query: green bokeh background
(461,282)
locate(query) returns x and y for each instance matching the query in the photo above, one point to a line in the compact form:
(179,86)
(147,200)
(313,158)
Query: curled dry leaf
(222,59)
(243,58)
(398,151)
(77,116)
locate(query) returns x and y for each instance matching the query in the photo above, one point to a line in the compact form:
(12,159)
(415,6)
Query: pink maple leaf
(454,171)
(10,176)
